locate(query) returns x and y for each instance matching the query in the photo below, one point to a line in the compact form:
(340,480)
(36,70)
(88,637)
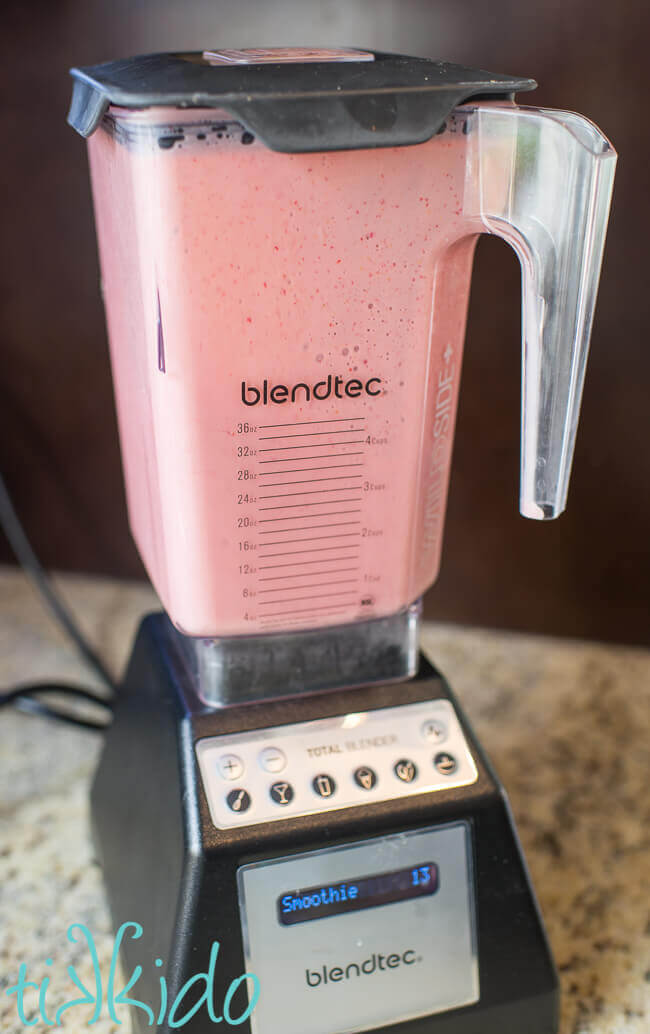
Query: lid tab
(281,55)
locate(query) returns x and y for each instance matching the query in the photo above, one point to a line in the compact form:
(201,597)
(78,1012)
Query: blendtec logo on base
(376,963)
(330,387)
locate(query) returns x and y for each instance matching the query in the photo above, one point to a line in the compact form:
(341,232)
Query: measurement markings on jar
(335,513)
(309,549)
(307,434)
(305,563)
(299,617)
(298,542)
(308,481)
(296,465)
(314,445)
(304,470)
(311,585)
(307,423)
(304,599)
(311,574)
(299,506)
(317,491)
(298,552)
(316,538)
(314,611)
(297,459)
(310,527)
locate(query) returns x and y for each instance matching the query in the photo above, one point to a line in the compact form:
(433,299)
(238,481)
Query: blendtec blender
(286,240)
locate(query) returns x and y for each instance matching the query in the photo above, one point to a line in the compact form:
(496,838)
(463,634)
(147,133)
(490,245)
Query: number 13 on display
(421,876)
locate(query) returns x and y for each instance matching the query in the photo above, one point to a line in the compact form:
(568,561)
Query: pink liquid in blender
(286,335)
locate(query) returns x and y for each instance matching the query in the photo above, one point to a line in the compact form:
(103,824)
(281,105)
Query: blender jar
(286,257)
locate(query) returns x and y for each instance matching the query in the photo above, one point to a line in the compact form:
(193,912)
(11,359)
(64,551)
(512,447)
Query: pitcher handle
(542,180)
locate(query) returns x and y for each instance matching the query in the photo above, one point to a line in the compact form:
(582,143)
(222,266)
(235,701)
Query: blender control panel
(353,759)
(356,937)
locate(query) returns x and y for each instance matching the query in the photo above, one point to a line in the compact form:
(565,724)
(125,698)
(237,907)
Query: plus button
(230,767)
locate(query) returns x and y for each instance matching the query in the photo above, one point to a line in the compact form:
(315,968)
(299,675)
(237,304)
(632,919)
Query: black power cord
(26,698)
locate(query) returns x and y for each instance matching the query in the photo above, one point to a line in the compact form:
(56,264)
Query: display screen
(340,896)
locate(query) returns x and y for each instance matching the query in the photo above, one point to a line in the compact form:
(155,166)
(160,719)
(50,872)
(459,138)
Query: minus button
(272,759)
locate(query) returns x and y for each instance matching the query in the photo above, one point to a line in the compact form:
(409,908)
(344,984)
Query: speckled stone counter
(567,725)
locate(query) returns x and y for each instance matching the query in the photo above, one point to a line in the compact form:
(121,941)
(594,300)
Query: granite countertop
(566,724)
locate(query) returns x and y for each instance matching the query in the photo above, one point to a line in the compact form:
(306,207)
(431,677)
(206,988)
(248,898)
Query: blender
(286,239)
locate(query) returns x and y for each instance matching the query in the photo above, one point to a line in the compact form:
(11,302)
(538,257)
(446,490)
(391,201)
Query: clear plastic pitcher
(286,245)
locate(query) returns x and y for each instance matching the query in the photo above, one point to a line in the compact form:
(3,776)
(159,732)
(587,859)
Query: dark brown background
(586,574)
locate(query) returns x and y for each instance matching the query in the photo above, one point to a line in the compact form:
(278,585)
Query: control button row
(434,730)
(230,767)
(271,759)
(282,793)
(445,763)
(407,771)
(366,778)
(239,800)
(274,760)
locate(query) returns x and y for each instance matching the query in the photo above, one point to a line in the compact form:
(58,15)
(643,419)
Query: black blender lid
(294,100)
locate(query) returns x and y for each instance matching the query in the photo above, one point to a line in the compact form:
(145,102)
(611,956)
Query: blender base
(188,884)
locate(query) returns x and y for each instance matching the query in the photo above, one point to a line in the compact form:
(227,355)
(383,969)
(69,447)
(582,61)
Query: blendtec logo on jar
(332,386)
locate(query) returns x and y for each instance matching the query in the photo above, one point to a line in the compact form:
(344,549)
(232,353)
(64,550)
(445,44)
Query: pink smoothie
(286,335)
